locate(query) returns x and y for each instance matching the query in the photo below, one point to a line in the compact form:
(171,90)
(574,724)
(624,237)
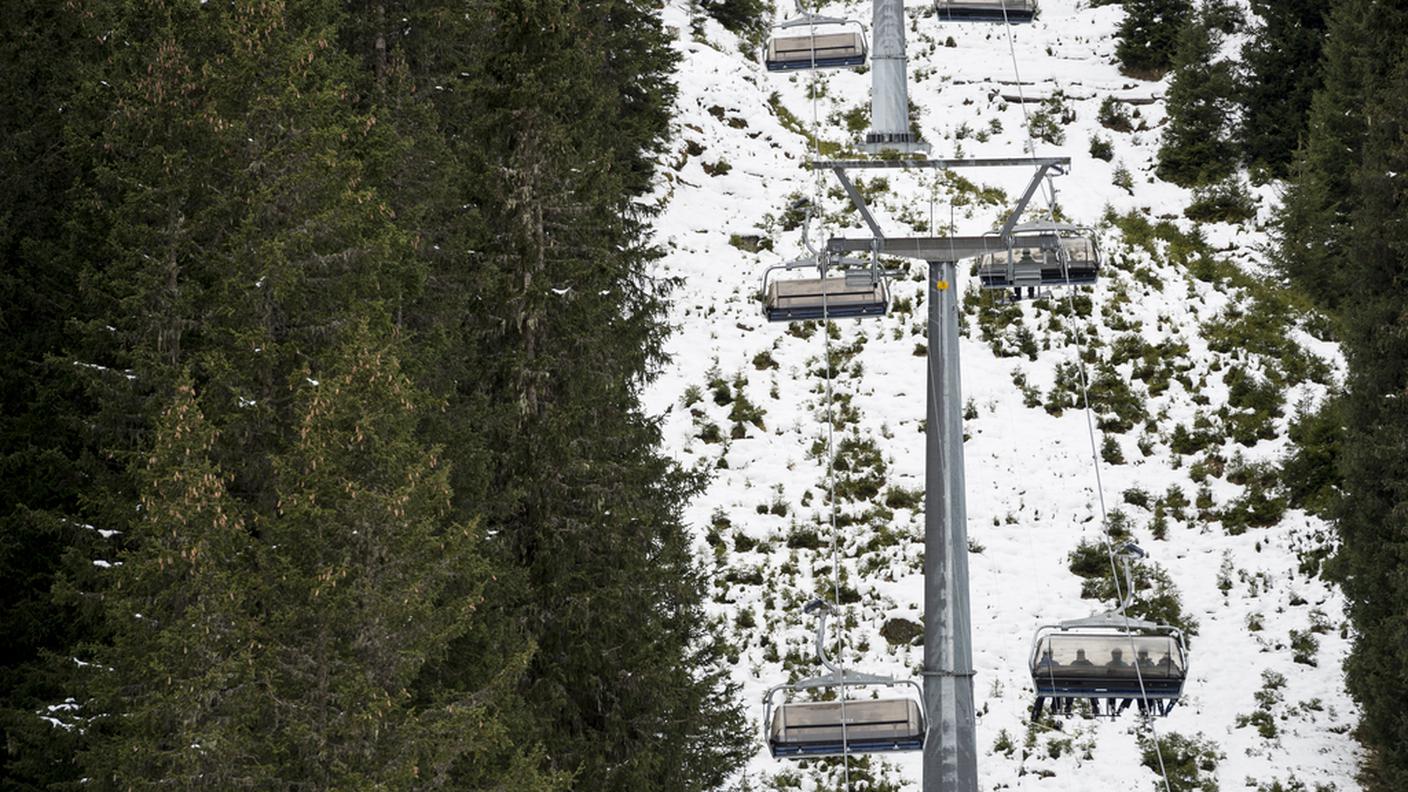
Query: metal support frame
(858,201)
(950,751)
(1026,198)
(889,87)
(942,248)
(950,757)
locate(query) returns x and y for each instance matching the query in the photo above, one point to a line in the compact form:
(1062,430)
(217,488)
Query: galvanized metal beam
(1059,163)
(1016,213)
(954,248)
(950,758)
(858,201)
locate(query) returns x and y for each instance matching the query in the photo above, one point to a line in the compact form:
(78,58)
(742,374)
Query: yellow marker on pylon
(941,285)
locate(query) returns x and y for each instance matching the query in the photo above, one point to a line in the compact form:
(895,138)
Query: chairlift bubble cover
(1038,267)
(1077,664)
(987,10)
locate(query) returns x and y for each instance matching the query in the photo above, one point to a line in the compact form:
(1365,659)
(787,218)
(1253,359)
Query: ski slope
(763,523)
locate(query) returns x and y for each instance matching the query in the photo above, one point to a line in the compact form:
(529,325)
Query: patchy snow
(1030,482)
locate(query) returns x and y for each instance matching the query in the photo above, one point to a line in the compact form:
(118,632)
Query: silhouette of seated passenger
(1047,662)
(1166,665)
(1081,660)
(1145,662)
(1117,663)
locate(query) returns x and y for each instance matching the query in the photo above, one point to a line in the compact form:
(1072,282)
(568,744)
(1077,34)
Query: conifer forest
(436,394)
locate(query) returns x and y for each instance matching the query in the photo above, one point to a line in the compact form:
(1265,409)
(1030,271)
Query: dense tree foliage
(1280,73)
(1198,147)
(1321,197)
(1342,242)
(325,331)
(1373,520)
(1148,36)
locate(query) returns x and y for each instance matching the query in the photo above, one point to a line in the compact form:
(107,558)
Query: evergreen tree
(367,587)
(323,219)
(1281,72)
(625,685)
(1197,147)
(180,672)
(244,241)
(46,452)
(1372,520)
(1148,36)
(1341,242)
(1313,225)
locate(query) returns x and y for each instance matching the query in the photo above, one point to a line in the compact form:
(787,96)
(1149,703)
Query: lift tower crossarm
(1006,232)
(955,248)
(941,248)
(940,164)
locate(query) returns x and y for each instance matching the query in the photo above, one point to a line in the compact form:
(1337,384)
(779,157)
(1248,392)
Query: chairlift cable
(818,196)
(1064,259)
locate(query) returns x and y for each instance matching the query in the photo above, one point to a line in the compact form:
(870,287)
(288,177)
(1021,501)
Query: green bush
(1310,472)
(1101,148)
(1135,496)
(1304,646)
(1110,451)
(1227,201)
(1114,116)
(1189,763)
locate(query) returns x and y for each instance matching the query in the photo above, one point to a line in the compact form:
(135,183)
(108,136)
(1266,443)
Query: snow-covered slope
(764,520)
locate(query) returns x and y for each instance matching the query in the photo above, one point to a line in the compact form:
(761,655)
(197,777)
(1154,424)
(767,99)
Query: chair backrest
(866,720)
(844,45)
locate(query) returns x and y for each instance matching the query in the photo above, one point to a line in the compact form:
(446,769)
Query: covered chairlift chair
(986,10)
(811,41)
(1028,265)
(805,729)
(1111,657)
(860,290)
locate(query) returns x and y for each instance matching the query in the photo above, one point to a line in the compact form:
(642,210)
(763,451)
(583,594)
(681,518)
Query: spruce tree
(1372,520)
(45,450)
(250,185)
(1281,72)
(179,686)
(1341,242)
(583,503)
(1148,36)
(242,240)
(1197,147)
(1313,224)
(368,586)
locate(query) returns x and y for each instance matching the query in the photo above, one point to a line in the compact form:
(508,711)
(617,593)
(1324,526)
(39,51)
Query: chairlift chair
(986,10)
(1035,267)
(807,729)
(1111,658)
(812,41)
(861,291)
(1085,659)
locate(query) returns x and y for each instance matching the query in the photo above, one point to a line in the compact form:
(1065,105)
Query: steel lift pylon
(950,758)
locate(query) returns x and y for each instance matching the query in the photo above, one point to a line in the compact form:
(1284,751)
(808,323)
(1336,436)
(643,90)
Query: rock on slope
(1205,366)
